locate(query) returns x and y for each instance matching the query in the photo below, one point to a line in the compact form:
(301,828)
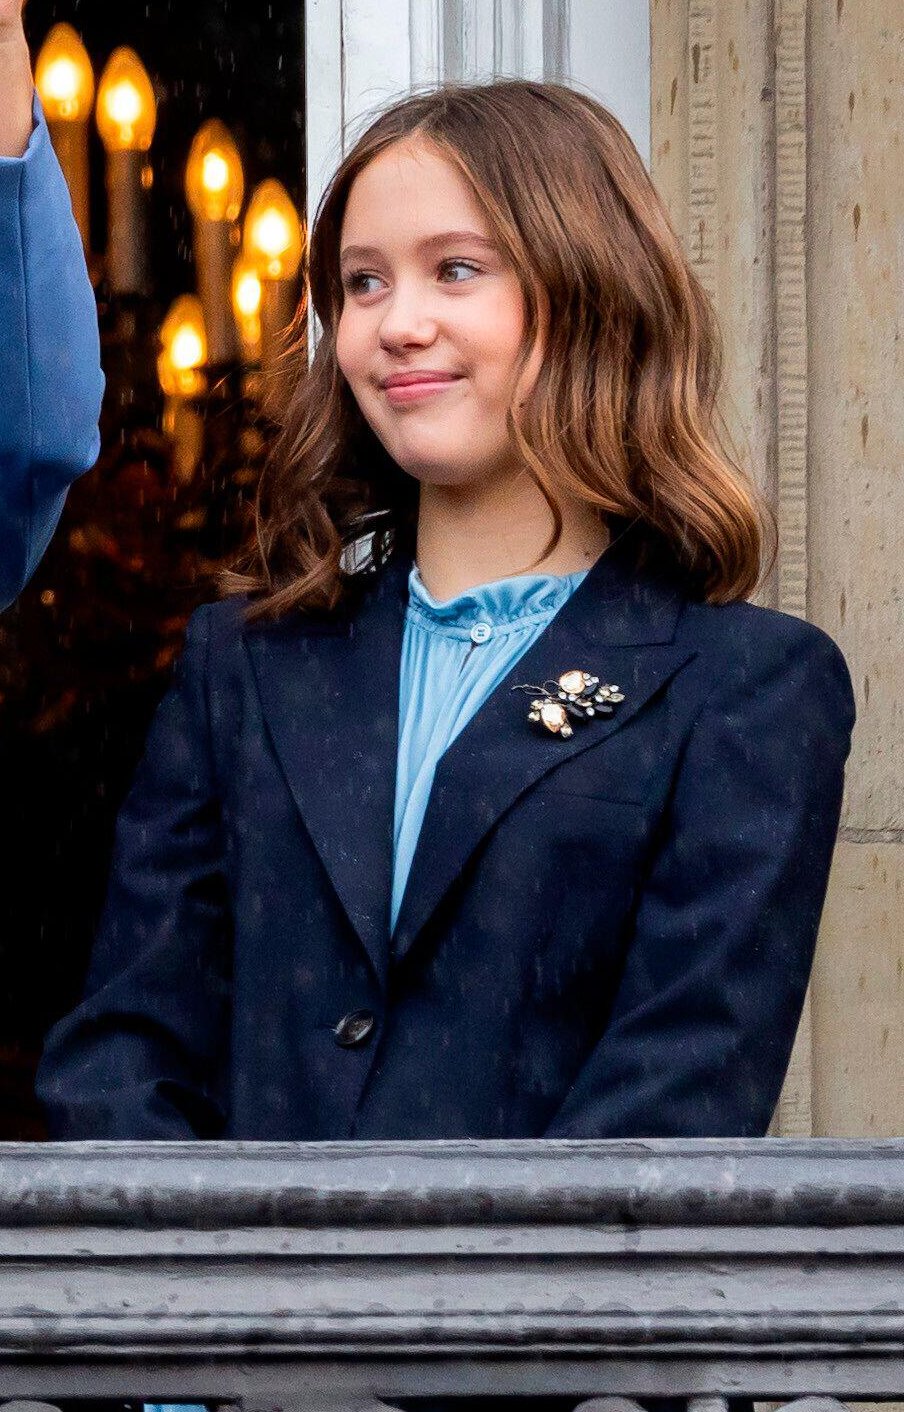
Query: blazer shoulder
(221,621)
(742,643)
(223,627)
(737,631)
(212,635)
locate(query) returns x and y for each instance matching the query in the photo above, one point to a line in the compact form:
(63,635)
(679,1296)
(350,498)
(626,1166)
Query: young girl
(520,827)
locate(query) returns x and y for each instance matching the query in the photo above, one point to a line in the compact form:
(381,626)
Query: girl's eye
(356,281)
(460,264)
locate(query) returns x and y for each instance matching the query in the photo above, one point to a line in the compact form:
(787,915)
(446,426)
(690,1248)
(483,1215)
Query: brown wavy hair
(623,414)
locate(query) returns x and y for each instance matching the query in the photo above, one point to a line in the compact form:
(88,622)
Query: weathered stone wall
(776,142)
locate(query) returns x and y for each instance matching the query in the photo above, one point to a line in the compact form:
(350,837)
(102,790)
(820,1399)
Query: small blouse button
(481,632)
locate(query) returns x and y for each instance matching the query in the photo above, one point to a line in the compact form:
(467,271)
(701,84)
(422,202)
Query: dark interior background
(238,60)
(87,652)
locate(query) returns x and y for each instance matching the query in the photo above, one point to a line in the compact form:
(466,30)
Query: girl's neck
(474,534)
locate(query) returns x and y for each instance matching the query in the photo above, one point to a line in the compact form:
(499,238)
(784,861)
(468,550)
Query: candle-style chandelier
(246,272)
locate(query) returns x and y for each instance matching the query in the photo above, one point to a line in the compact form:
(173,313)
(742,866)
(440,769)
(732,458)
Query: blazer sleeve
(698,1038)
(143,1054)
(51,384)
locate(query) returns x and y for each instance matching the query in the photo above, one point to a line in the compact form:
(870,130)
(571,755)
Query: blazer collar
(329,690)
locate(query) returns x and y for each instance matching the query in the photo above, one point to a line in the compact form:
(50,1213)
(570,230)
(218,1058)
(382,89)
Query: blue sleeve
(698,1039)
(51,384)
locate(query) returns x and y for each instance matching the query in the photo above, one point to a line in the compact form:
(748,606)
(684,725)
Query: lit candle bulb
(64,79)
(126,118)
(180,368)
(274,243)
(246,305)
(215,186)
(273,237)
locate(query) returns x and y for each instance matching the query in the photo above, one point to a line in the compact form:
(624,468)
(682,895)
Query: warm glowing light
(126,106)
(187,350)
(64,77)
(61,83)
(246,291)
(214,173)
(246,305)
(214,180)
(273,237)
(184,350)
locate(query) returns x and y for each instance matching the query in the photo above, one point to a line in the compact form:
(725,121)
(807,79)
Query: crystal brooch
(575,695)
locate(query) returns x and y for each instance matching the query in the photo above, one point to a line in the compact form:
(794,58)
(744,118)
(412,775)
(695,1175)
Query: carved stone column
(777,145)
(855,283)
(712,159)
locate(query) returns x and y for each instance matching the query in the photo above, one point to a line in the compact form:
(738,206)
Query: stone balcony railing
(331,1276)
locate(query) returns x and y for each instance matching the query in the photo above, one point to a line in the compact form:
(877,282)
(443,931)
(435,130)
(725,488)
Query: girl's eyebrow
(446,237)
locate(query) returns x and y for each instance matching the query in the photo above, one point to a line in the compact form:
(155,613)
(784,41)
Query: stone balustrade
(332,1276)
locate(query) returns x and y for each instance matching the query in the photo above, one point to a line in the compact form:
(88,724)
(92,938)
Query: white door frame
(362,54)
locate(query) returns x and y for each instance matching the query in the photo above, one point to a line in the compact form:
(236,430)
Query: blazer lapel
(619,623)
(329,690)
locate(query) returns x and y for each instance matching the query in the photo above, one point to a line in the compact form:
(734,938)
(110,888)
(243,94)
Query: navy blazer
(602,936)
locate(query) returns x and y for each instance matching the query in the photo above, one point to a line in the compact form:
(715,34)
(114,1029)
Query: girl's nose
(406,320)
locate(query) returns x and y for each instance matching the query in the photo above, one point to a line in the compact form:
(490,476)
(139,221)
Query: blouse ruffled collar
(503,600)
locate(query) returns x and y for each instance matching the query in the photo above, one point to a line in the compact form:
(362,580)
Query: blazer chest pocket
(584,779)
(619,771)
(563,872)
(578,834)
(599,794)
(579,856)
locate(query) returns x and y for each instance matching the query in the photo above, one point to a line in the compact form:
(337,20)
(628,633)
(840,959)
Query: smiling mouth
(406,379)
(418,388)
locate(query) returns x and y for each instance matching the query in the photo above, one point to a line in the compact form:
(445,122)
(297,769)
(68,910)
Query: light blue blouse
(454,653)
(51,382)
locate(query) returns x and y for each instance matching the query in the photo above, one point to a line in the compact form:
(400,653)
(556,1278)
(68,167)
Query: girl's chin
(446,476)
(446,460)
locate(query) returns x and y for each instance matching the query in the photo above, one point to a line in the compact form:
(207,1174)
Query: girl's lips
(416,391)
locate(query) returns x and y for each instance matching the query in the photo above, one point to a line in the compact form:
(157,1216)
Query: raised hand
(11,17)
(15,81)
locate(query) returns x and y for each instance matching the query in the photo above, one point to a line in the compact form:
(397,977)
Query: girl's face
(427,291)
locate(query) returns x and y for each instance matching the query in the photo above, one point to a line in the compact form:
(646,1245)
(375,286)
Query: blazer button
(354,1029)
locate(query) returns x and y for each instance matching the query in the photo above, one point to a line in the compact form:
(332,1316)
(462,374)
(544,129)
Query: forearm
(17,89)
(50,378)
